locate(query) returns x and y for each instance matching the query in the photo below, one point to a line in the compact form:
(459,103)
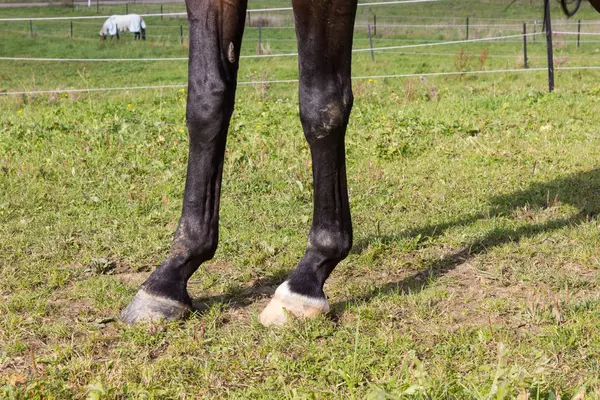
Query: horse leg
(324,31)
(215,29)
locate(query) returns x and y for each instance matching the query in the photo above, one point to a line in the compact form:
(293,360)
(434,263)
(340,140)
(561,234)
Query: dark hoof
(146,307)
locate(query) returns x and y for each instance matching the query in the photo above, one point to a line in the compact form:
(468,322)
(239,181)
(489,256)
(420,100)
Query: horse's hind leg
(216,29)
(324,31)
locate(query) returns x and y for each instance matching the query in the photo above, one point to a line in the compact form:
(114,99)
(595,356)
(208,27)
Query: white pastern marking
(285,294)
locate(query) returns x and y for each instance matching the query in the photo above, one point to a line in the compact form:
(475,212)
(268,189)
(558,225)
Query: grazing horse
(324,30)
(121,23)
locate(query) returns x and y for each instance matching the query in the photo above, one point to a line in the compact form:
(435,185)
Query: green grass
(475,203)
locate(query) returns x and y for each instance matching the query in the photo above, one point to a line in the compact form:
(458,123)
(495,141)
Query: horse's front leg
(324,31)
(216,29)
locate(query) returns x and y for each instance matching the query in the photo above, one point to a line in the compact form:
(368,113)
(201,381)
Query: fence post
(467,28)
(126,8)
(525,45)
(30,28)
(578,32)
(534,29)
(371,43)
(249,20)
(71,29)
(161,12)
(181,33)
(374,25)
(548,29)
(260,48)
(97,6)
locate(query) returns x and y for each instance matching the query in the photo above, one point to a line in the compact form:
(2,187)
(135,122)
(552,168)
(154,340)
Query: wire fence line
(280,81)
(286,27)
(359,24)
(41,31)
(295,54)
(503,56)
(384,25)
(247,38)
(384,49)
(576,33)
(459,24)
(254,10)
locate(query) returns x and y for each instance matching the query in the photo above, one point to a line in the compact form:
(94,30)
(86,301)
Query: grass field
(475,201)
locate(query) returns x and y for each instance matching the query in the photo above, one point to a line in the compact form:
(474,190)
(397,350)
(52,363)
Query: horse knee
(207,111)
(324,113)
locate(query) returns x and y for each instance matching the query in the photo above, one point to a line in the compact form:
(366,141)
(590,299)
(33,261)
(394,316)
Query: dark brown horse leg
(324,30)
(216,28)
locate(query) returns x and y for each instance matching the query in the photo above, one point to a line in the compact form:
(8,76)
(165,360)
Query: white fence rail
(279,81)
(255,10)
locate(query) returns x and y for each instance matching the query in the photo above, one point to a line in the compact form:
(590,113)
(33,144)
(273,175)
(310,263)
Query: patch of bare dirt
(133,278)
(69,310)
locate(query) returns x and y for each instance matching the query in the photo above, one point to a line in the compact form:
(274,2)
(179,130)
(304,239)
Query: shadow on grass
(243,297)
(581,190)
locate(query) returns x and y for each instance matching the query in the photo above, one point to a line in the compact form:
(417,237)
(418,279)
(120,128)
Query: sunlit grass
(474,272)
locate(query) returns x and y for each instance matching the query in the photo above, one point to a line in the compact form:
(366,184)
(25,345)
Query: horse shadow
(581,190)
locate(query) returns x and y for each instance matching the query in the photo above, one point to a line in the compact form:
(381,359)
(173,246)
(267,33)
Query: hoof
(146,307)
(285,303)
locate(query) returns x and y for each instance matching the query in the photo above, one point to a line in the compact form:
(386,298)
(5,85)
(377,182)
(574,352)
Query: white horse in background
(121,23)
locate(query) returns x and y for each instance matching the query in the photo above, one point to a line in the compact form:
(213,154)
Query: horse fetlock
(333,244)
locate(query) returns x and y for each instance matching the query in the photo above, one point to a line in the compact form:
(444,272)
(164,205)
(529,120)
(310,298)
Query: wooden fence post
(525,45)
(548,28)
(374,25)
(371,43)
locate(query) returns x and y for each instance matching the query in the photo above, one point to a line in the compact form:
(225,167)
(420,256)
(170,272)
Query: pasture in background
(475,199)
